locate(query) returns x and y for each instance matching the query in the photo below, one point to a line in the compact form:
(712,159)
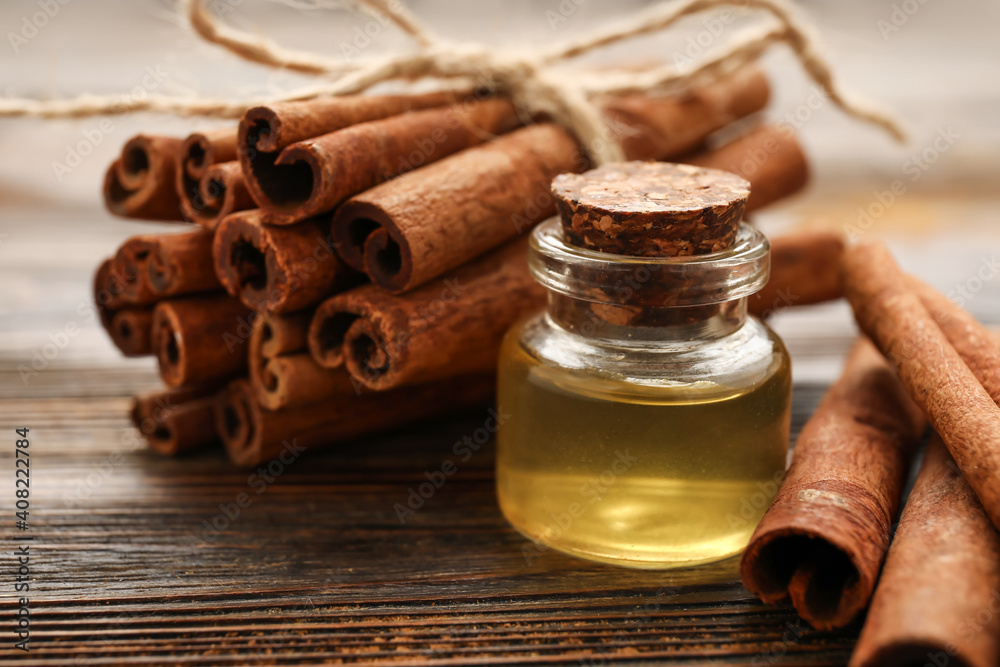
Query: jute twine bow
(530,78)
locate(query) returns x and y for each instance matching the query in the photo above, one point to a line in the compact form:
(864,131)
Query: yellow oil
(649,477)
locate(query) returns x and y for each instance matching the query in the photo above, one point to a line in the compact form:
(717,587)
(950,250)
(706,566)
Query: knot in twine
(531,78)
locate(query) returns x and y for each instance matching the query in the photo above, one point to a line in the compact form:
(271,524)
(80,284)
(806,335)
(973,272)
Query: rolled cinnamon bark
(131,331)
(769,157)
(359,157)
(444,328)
(978,347)
(275,335)
(278,269)
(655,128)
(805,270)
(176,421)
(181,264)
(131,264)
(426,222)
(823,540)
(253,435)
(418,226)
(141,183)
(265,131)
(107,292)
(937,378)
(938,601)
(282,373)
(193,338)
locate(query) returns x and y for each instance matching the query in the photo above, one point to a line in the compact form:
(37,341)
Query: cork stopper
(651,209)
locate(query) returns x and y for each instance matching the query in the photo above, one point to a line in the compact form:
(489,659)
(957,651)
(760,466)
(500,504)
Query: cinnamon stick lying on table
(938,600)
(359,157)
(805,269)
(181,263)
(769,157)
(282,373)
(447,327)
(265,131)
(278,269)
(195,338)
(253,435)
(936,376)
(131,331)
(141,182)
(823,540)
(978,347)
(416,227)
(177,421)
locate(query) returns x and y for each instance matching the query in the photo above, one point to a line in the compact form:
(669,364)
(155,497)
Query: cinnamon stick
(805,270)
(978,347)
(938,601)
(353,159)
(131,331)
(282,373)
(193,338)
(106,289)
(416,227)
(656,128)
(181,263)
(937,378)
(140,183)
(130,263)
(265,131)
(769,157)
(278,269)
(253,435)
(823,540)
(282,334)
(447,327)
(177,421)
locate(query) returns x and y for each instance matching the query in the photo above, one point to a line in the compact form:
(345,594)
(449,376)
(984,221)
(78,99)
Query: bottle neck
(636,323)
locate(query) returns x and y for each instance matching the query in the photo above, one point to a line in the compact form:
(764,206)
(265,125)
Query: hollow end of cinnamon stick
(131,331)
(181,264)
(278,269)
(106,290)
(130,264)
(176,421)
(820,578)
(234,422)
(141,182)
(328,332)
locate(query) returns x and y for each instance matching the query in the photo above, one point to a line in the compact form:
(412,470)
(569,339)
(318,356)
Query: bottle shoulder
(747,357)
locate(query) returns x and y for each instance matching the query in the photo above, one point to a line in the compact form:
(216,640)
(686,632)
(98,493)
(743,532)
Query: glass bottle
(648,413)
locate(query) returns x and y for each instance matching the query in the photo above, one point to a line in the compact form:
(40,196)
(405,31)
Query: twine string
(530,78)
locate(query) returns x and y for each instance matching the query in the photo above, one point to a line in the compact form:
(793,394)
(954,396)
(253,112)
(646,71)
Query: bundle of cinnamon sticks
(352,263)
(826,538)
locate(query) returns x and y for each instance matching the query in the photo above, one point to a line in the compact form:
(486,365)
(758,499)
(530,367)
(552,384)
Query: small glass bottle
(649,414)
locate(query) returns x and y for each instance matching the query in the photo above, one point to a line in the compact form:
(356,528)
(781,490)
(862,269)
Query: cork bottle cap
(651,209)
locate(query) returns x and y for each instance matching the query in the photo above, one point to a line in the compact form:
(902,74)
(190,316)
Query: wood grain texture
(318,568)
